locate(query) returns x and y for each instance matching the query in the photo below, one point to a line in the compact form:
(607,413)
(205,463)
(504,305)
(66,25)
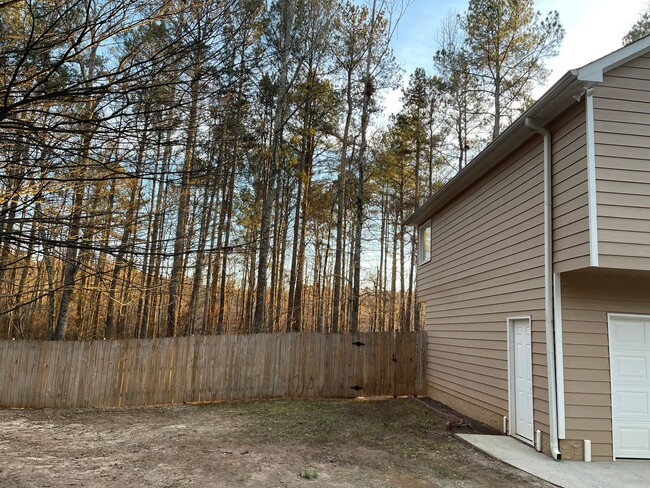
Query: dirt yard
(339,443)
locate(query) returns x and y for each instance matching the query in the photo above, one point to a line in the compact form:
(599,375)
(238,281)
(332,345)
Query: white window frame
(421,231)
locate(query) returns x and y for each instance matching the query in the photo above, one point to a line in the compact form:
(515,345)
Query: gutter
(548,289)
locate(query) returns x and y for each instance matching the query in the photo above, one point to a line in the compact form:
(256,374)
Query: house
(534,270)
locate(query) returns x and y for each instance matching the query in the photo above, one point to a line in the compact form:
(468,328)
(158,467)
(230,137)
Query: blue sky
(593,29)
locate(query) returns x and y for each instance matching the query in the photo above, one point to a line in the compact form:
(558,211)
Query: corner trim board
(591,178)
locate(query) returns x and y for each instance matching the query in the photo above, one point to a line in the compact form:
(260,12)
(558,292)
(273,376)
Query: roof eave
(557,99)
(593,72)
(549,106)
(546,108)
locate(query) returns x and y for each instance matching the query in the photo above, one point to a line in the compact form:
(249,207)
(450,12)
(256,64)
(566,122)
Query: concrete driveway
(569,474)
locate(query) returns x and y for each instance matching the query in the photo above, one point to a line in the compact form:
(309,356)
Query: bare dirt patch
(339,443)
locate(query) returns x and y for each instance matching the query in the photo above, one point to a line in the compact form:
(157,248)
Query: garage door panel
(629,342)
(632,404)
(631,367)
(630,333)
(632,441)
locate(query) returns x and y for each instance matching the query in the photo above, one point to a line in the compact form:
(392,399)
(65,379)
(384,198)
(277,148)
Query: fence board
(60,355)
(39,374)
(421,372)
(15,373)
(106,371)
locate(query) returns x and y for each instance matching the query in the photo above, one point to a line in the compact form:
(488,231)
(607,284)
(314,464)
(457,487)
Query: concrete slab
(569,474)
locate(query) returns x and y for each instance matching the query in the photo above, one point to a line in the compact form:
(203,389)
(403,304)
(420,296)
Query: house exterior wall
(487,248)
(570,191)
(622,143)
(587,297)
(487,265)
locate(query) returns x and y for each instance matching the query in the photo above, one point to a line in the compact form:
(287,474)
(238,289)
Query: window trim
(421,230)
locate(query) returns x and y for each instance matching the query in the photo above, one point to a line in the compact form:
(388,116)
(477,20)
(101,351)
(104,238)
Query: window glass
(425,242)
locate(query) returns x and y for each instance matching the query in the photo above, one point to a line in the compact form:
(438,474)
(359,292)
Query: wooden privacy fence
(38,374)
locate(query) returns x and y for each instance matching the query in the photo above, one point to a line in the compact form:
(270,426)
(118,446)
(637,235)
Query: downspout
(548,289)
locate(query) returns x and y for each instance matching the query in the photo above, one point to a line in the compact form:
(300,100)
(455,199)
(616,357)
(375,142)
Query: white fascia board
(593,72)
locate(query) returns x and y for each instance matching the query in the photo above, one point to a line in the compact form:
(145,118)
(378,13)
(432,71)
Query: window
(424,242)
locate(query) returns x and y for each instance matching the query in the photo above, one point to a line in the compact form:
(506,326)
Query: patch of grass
(447,471)
(375,423)
(308,474)
(411,436)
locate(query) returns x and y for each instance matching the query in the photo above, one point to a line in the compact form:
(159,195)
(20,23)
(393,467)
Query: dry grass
(341,443)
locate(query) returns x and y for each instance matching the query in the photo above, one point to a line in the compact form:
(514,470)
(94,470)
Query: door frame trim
(512,423)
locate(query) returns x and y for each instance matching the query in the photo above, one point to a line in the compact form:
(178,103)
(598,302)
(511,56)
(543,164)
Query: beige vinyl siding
(570,191)
(487,265)
(587,297)
(622,137)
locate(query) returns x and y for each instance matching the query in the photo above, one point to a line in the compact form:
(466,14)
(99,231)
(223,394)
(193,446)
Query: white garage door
(629,345)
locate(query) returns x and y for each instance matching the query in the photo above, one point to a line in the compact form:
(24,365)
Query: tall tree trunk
(221,226)
(323,287)
(296,237)
(155,257)
(74,231)
(338,259)
(287,14)
(278,208)
(282,252)
(306,181)
(180,237)
(129,228)
(15,319)
(497,104)
(410,292)
(206,214)
(368,90)
(393,278)
(299,228)
(402,288)
(226,244)
(380,296)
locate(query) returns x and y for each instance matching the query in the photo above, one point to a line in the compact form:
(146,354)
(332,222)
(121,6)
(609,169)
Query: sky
(594,28)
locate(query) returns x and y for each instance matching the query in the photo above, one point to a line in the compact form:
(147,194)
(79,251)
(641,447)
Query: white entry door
(629,350)
(521,380)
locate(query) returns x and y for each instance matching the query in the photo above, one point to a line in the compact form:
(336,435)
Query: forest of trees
(175,167)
